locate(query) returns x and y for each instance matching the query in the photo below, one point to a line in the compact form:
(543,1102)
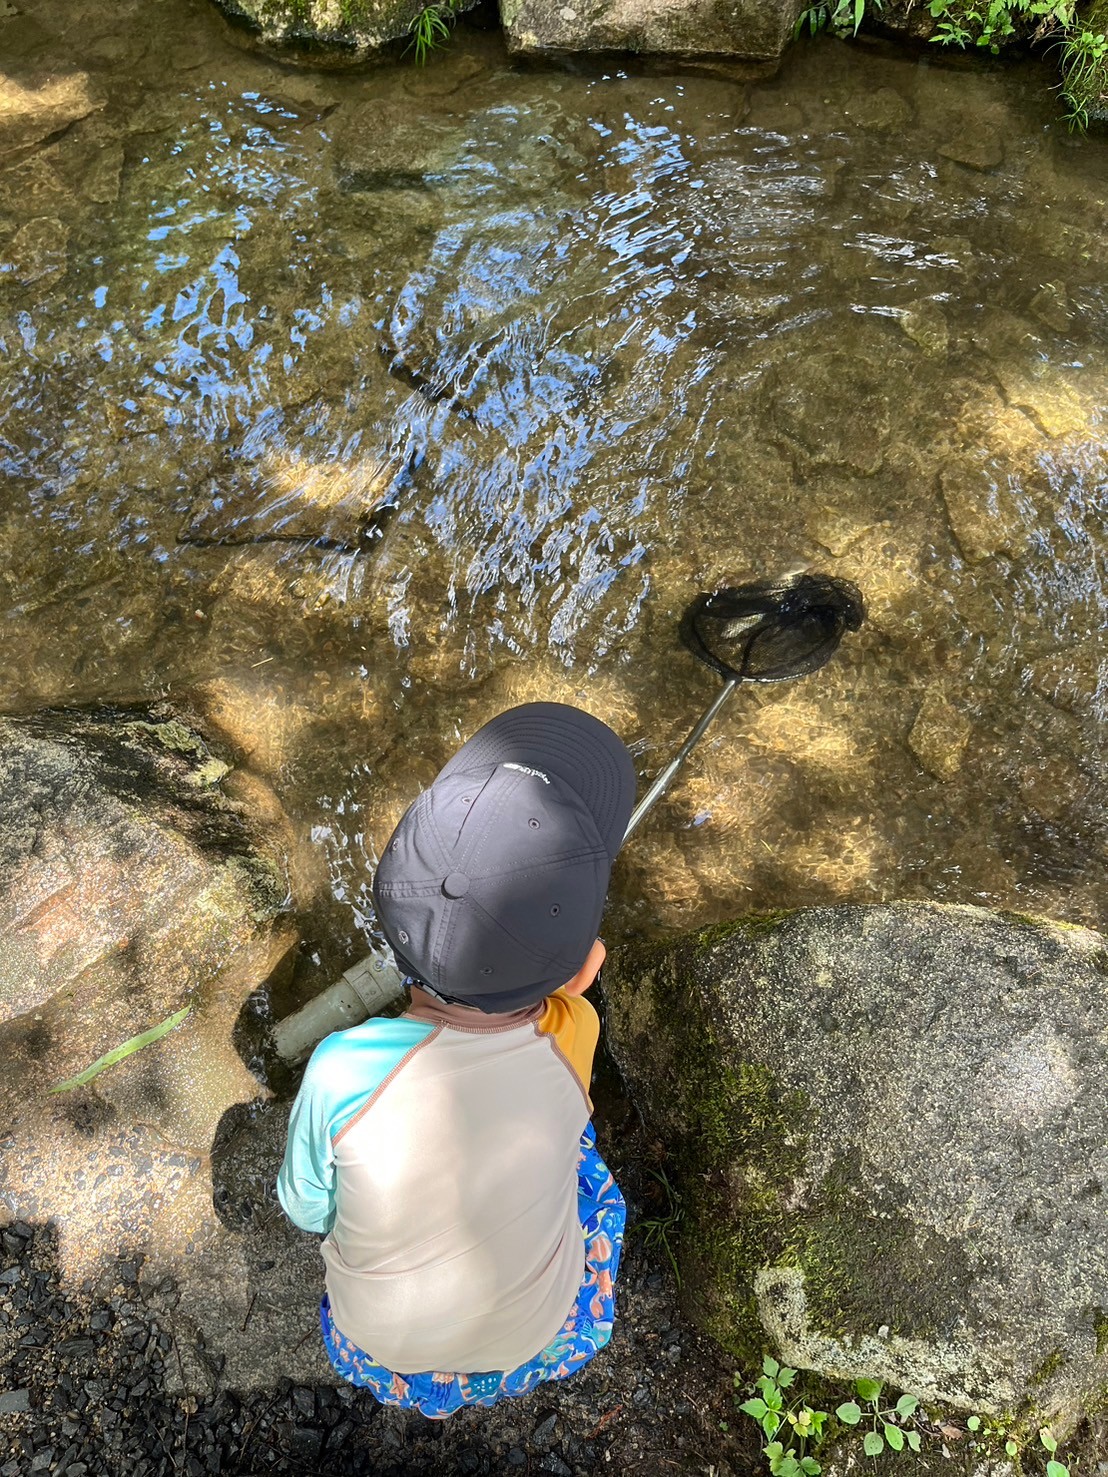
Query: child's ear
(588,972)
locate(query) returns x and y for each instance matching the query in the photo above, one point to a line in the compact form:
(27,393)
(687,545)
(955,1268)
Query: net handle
(664,780)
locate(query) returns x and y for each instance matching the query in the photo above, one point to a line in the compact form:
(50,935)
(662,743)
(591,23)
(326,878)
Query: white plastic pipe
(367,988)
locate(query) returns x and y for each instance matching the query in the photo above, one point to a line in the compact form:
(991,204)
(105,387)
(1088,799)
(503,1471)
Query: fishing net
(773,630)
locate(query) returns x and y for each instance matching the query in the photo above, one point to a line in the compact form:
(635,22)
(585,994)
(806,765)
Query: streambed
(597,339)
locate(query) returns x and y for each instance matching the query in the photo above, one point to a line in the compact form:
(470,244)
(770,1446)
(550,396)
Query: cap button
(456,885)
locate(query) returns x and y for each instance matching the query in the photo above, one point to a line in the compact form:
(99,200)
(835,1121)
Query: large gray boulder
(888,1128)
(737,28)
(139,876)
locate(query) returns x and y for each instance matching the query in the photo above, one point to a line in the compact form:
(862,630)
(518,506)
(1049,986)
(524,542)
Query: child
(473,1232)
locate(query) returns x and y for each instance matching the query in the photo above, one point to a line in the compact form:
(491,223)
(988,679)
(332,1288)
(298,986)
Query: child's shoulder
(363,1052)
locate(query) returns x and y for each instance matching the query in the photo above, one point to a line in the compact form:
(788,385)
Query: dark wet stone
(555,1466)
(303,1402)
(545,1428)
(13,1401)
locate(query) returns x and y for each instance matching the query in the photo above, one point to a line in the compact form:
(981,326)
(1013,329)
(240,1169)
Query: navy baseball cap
(492,886)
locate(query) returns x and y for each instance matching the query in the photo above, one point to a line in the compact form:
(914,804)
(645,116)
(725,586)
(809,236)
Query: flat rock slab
(888,1128)
(738,28)
(133,888)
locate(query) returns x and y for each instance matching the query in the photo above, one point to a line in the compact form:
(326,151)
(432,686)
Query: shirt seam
(379,1089)
(472,1030)
(570,1068)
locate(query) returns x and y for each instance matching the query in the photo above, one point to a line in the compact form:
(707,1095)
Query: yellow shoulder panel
(575,1026)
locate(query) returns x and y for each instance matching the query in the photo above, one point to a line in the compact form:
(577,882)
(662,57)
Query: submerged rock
(939,735)
(38,252)
(982,510)
(35,107)
(886,1127)
(978,148)
(338,503)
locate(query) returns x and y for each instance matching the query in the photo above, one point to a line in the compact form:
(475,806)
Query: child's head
(492,886)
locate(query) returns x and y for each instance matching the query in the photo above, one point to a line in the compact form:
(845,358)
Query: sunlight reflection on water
(352,427)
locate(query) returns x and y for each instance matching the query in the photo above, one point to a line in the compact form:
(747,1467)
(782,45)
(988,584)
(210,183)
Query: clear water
(600,341)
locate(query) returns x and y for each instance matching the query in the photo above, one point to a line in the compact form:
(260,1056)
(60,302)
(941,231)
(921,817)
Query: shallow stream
(598,340)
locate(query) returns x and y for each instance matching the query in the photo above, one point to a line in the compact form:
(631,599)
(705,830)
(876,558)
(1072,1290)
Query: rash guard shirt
(438,1154)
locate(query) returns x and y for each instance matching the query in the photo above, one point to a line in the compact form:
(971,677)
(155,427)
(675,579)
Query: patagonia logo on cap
(536,774)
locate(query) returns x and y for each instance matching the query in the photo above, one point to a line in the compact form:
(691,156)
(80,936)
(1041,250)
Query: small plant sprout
(430,30)
(658,1229)
(788,1422)
(1054,1468)
(885,1422)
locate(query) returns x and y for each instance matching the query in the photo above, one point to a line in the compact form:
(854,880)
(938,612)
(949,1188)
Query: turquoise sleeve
(344,1072)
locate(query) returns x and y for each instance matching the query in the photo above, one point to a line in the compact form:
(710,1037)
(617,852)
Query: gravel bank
(91,1385)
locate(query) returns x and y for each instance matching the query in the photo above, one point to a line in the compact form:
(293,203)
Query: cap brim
(579,749)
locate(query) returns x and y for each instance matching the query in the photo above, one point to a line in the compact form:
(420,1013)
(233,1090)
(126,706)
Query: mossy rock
(887,1131)
(356,27)
(1084,76)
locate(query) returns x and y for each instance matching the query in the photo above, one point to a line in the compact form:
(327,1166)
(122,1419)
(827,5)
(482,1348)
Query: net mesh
(772,630)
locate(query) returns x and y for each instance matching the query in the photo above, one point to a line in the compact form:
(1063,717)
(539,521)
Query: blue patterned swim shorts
(585,1332)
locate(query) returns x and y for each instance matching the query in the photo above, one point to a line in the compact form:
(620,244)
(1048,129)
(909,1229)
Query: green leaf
(850,1413)
(1011,1448)
(913,1440)
(786,1377)
(788,1467)
(1057,1469)
(128,1048)
(766,1385)
(770,1365)
(1046,1436)
(771,1422)
(859,12)
(868,1389)
(873,1444)
(973,1423)
(895,1437)
(756,1408)
(810,1467)
(907,1405)
(773,1450)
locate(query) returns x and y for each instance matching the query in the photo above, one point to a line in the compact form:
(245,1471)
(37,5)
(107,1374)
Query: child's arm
(306,1181)
(344,1073)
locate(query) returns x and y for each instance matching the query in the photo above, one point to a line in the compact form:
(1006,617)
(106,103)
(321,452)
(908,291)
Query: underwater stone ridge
(886,1124)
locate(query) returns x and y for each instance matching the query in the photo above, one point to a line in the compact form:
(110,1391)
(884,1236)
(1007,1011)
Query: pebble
(554,1465)
(545,1429)
(88,1397)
